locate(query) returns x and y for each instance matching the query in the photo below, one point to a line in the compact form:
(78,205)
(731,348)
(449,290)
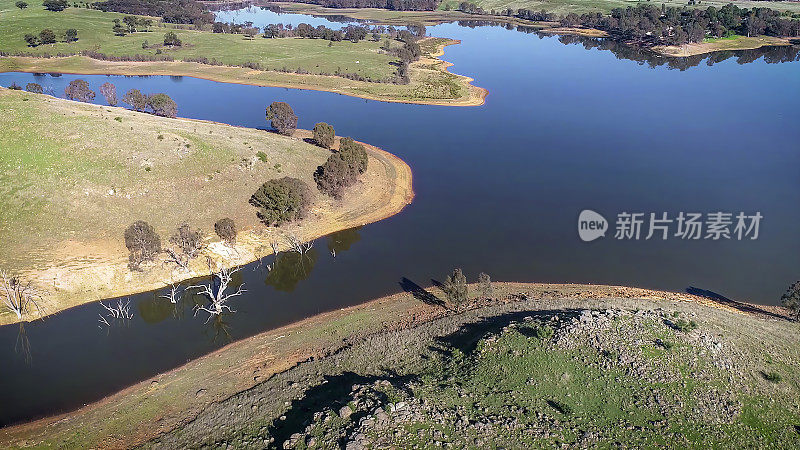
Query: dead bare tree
(215,292)
(297,245)
(119,313)
(18,297)
(173,295)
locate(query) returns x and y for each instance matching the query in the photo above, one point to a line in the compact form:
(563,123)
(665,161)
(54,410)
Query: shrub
(55,5)
(543,332)
(684,326)
(261,156)
(15,87)
(281,201)
(21,5)
(118,29)
(71,35)
(324,135)
(791,300)
(136,99)
(79,90)
(283,118)
(36,88)
(162,105)
(455,287)
(485,285)
(109,91)
(171,39)
(142,242)
(226,230)
(31,40)
(47,36)
(773,377)
(188,241)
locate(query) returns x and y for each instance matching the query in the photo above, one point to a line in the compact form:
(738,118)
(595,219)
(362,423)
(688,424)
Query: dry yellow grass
(78,174)
(716,45)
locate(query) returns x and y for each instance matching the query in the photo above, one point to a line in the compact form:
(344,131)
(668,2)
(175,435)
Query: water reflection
(290,268)
(156,309)
(22,347)
(342,241)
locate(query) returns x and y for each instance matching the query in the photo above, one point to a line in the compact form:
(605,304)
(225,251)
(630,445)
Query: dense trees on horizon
(171,11)
(394,5)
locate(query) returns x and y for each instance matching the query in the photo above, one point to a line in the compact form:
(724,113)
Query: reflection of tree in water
(156,309)
(290,268)
(342,240)
(645,56)
(222,329)
(23,345)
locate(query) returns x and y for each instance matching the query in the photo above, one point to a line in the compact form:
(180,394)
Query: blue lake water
(499,189)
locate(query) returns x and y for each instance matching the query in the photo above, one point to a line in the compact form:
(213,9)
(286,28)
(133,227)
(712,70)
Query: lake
(567,126)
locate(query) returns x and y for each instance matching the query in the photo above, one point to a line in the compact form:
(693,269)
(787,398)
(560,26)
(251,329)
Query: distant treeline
(172,11)
(651,25)
(395,5)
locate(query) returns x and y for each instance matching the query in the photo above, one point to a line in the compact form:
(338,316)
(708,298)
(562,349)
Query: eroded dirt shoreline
(174,399)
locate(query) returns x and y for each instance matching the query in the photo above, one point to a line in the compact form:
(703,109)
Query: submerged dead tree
(119,313)
(18,297)
(215,292)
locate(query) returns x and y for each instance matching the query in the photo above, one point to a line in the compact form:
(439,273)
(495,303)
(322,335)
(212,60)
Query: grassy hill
(73,176)
(563,7)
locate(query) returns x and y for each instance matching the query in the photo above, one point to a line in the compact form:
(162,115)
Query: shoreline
(84,65)
(108,276)
(172,399)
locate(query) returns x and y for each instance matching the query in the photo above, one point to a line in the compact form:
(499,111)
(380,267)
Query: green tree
(118,29)
(354,154)
(32,40)
(136,99)
(282,117)
(455,288)
(281,201)
(162,105)
(36,88)
(47,36)
(71,35)
(324,135)
(791,300)
(130,22)
(79,90)
(55,5)
(171,39)
(485,285)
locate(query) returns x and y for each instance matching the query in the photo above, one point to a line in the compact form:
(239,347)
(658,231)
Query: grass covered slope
(564,7)
(75,175)
(314,59)
(488,372)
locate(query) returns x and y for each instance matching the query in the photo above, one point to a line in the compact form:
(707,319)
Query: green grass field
(94,33)
(563,7)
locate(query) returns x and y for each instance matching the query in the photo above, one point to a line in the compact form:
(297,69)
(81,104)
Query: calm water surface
(499,189)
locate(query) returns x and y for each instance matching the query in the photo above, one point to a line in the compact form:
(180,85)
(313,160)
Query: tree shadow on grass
(721,299)
(420,293)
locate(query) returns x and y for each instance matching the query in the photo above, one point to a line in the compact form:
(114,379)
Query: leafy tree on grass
(21,5)
(79,90)
(118,29)
(142,242)
(281,201)
(171,39)
(55,5)
(109,91)
(188,242)
(47,36)
(136,99)
(791,300)
(130,22)
(282,117)
(334,176)
(455,287)
(36,88)
(31,40)
(354,154)
(226,230)
(162,105)
(71,35)
(324,135)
